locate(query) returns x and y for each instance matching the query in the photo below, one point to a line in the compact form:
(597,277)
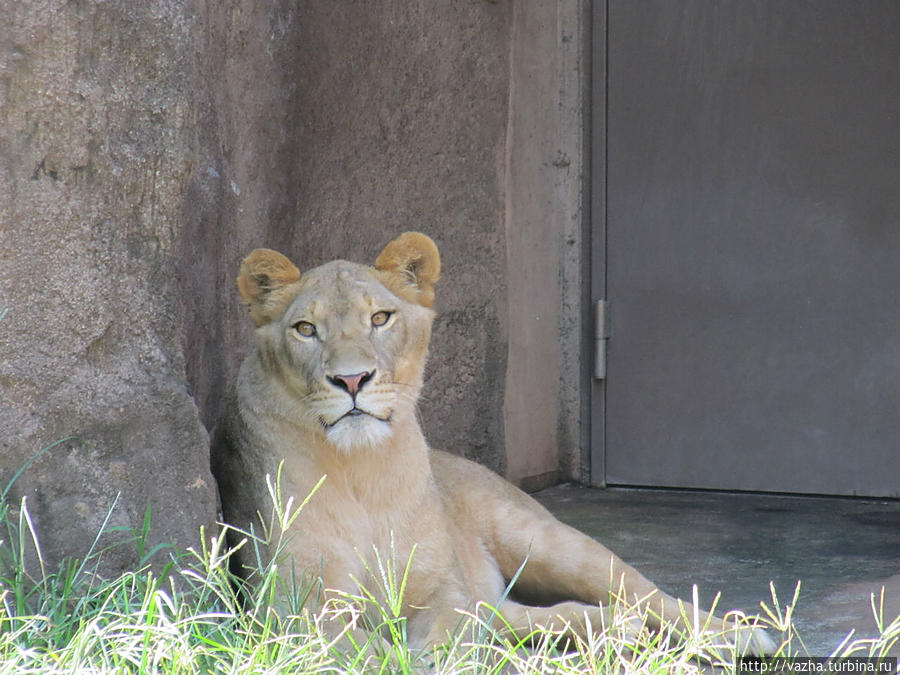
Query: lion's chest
(348,534)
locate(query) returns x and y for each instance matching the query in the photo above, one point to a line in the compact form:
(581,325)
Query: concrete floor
(841,549)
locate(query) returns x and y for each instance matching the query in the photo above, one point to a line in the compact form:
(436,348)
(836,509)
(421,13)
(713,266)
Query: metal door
(752,229)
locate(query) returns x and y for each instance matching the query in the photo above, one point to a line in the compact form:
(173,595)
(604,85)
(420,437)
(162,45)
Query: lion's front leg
(555,563)
(571,618)
(558,562)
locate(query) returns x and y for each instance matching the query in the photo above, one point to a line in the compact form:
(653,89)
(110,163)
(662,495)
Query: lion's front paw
(633,629)
(751,641)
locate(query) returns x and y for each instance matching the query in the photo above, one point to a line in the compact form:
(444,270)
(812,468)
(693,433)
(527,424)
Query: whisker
(403,384)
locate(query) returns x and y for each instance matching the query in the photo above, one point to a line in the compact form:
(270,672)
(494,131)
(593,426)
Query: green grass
(192,615)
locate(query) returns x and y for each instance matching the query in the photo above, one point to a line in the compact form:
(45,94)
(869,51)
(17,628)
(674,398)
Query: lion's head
(346,342)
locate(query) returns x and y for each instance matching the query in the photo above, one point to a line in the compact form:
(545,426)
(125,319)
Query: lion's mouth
(355,412)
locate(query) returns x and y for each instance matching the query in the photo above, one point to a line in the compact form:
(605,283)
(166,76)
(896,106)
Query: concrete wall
(146,148)
(547,243)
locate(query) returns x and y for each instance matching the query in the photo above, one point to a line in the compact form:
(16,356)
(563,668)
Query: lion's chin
(358,432)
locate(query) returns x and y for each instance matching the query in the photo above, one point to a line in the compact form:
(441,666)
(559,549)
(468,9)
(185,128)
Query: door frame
(596,131)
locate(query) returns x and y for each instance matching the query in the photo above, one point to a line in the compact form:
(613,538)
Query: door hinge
(601,335)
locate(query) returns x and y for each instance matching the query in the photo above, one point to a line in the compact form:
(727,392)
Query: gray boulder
(96,153)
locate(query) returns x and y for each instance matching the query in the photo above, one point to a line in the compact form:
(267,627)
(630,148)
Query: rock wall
(97,150)
(404,127)
(326,128)
(146,147)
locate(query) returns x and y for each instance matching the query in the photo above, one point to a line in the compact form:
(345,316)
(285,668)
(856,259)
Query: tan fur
(412,267)
(472,530)
(265,283)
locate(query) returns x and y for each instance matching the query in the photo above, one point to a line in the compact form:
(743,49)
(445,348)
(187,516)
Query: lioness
(331,390)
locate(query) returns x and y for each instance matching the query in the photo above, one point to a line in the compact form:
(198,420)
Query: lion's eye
(380,318)
(305,328)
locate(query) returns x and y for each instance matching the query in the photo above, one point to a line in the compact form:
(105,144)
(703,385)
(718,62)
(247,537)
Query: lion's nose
(351,383)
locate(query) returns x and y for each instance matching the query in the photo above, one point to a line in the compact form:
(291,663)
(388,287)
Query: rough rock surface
(145,148)
(96,152)
(327,128)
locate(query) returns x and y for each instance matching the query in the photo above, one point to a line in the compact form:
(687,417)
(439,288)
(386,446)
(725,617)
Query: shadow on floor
(842,550)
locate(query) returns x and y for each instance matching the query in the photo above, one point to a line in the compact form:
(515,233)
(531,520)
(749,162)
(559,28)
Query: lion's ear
(267,282)
(411,265)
